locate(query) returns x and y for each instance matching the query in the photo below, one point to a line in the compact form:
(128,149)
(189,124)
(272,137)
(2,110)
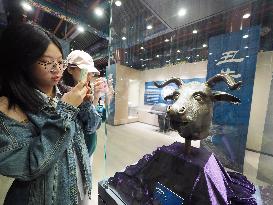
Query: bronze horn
(177,81)
(226,78)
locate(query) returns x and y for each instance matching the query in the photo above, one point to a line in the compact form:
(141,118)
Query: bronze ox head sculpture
(191,113)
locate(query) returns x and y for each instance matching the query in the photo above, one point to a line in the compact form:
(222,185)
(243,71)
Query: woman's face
(75,72)
(48,70)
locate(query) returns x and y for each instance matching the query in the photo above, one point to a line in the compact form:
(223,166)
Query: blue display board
(154,95)
(234,53)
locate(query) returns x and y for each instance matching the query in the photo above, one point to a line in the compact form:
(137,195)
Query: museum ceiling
(146,33)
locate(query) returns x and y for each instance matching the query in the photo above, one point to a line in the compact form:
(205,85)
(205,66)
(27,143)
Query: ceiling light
(126,61)
(98,11)
(246,47)
(178,51)
(210,53)
(215,60)
(167,40)
(118,3)
(149,27)
(247,56)
(194,31)
(197,55)
(131,66)
(245,36)
(26,6)
(157,56)
(142,47)
(247,15)
(125,51)
(80,29)
(167,61)
(205,45)
(141,59)
(182,12)
(123,38)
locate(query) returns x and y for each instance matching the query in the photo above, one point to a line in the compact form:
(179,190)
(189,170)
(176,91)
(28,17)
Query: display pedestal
(198,178)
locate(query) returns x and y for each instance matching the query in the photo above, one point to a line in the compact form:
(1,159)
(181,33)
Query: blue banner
(154,95)
(236,54)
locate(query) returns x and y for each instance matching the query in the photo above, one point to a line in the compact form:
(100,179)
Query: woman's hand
(77,94)
(99,88)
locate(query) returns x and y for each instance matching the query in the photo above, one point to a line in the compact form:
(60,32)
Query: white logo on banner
(229,57)
(231,73)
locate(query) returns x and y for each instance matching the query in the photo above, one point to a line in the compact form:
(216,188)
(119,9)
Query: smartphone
(83,75)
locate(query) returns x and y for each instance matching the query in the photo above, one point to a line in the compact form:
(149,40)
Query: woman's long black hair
(21,46)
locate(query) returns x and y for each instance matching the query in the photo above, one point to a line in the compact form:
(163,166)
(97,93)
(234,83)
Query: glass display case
(192,42)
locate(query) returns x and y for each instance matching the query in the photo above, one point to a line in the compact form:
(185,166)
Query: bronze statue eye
(198,97)
(176,96)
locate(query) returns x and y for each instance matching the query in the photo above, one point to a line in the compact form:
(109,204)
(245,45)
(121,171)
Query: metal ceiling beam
(58,26)
(49,8)
(71,30)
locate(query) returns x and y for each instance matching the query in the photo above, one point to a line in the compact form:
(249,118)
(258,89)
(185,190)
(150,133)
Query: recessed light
(194,31)
(98,11)
(26,6)
(167,40)
(245,36)
(126,61)
(247,56)
(182,12)
(197,55)
(246,47)
(157,56)
(205,45)
(80,29)
(210,53)
(215,60)
(141,59)
(247,15)
(123,38)
(149,27)
(142,47)
(118,3)
(178,51)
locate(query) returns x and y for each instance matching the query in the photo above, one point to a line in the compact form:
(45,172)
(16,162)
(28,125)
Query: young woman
(41,138)
(77,61)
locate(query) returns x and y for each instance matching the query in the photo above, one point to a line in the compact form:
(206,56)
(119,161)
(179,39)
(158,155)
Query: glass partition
(154,41)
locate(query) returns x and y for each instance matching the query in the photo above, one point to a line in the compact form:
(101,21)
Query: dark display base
(198,178)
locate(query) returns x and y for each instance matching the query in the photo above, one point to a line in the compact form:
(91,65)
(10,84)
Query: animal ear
(223,96)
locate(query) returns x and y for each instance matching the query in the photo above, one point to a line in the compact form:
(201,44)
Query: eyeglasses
(51,66)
